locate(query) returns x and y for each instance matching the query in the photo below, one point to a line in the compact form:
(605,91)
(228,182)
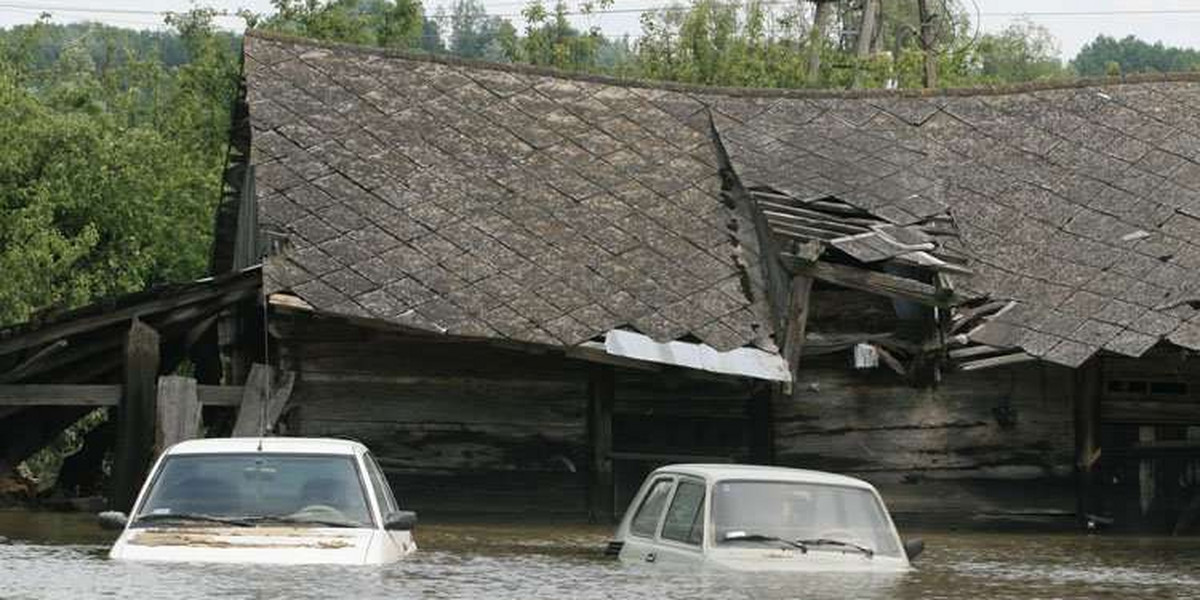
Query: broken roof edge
(735,92)
(623,345)
(128,305)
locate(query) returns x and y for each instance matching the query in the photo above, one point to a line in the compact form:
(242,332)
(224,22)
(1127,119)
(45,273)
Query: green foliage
(118,169)
(46,463)
(718,43)
(1109,56)
(1022,52)
(475,34)
(551,40)
(387,23)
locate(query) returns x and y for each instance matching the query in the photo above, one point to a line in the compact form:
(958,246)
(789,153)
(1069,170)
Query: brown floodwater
(54,555)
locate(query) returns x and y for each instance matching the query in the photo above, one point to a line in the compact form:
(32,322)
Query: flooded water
(45,555)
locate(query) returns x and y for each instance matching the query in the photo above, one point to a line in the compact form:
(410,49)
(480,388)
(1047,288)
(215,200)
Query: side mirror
(112,520)
(401,520)
(914,548)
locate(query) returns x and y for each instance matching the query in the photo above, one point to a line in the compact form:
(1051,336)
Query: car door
(401,541)
(640,541)
(681,535)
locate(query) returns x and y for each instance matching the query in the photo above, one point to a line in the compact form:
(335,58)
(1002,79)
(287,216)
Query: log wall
(474,427)
(457,426)
(988,446)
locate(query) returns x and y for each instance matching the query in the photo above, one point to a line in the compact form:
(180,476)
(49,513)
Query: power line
(618,11)
(1094,13)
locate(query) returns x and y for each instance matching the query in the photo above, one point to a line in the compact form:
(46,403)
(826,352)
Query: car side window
(383,491)
(685,518)
(645,520)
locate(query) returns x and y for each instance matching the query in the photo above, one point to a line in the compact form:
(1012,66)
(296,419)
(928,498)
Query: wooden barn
(524,289)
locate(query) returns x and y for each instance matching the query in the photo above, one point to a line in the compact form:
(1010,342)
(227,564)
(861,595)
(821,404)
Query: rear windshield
(296,488)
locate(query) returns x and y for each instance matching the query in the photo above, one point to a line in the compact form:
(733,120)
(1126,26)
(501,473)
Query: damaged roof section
(830,240)
(1080,205)
(493,202)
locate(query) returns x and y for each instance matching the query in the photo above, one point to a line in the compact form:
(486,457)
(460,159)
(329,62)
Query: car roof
(718,472)
(273,445)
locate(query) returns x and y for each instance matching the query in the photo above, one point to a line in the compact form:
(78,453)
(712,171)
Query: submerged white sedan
(752,518)
(265,500)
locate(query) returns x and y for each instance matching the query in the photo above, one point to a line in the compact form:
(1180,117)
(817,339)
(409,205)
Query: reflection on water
(63,556)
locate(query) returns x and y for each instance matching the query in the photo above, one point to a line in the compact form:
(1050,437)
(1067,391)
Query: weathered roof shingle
(491,202)
(1081,203)
(506,202)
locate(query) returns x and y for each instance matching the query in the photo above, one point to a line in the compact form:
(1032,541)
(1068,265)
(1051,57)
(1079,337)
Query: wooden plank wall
(988,446)
(677,415)
(458,427)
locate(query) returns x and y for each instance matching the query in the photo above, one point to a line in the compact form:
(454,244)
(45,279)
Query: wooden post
(797,322)
(135,414)
(1146,475)
(178,411)
(1087,441)
(601,493)
(263,401)
(762,427)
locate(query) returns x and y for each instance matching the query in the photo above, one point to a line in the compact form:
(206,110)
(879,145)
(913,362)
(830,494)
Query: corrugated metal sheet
(744,362)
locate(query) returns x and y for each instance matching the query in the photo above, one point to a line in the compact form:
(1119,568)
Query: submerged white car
(752,518)
(265,500)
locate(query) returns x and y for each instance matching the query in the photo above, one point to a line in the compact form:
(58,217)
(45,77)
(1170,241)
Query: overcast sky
(1174,22)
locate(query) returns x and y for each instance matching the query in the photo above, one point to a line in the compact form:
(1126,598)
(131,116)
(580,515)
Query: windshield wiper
(832,542)
(238,522)
(301,521)
(741,536)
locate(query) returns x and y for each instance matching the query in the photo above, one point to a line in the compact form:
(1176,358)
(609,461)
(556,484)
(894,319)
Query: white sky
(1072,30)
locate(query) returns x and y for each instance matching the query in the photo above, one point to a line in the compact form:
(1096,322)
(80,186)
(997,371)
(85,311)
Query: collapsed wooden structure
(537,286)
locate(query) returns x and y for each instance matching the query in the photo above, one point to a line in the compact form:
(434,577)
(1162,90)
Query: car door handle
(651,557)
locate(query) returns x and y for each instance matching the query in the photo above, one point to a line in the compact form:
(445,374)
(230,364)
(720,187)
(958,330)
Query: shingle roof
(508,202)
(1081,203)
(493,202)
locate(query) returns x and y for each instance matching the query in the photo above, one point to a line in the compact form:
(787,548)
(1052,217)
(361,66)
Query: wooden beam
(281,393)
(136,414)
(778,216)
(657,457)
(973,351)
(251,413)
(595,352)
(68,328)
(996,361)
(891,361)
(803,233)
(860,225)
(60,395)
(178,411)
(74,353)
(798,309)
(761,422)
(875,282)
(220,395)
(21,370)
(601,493)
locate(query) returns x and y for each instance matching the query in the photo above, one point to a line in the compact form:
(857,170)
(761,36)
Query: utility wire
(637,10)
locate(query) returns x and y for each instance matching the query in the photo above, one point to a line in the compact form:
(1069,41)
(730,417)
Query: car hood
(746,559)
(278,545)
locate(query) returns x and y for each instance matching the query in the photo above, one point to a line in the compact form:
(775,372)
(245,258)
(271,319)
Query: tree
(472,31)
(388,23)
(1023,52)
(1109,56)
(114,183)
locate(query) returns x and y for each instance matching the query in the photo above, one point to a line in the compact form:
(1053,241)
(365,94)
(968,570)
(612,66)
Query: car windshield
(258,489)
(820,516)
